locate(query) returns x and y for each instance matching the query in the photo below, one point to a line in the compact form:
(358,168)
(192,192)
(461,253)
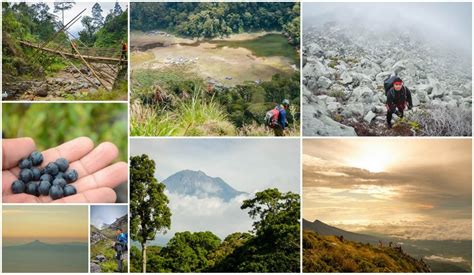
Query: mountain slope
(334,254)
(198,184)
(325,230)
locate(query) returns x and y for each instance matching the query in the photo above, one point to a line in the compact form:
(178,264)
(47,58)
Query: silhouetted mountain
(327,230)
(198,184)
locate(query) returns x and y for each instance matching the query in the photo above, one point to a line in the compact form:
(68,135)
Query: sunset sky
(50,224)
(419,189)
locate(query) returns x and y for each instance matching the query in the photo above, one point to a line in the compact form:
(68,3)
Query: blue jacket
(282,117)
(122,238)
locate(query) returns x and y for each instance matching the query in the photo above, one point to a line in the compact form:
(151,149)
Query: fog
(445,24)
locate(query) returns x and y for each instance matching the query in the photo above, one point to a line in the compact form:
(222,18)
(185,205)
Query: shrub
(442,121)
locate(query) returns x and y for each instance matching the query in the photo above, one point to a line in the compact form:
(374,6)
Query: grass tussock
(194,117)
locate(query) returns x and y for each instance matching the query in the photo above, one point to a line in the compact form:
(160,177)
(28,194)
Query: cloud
(446,259)
(443,24)
(421,196)
(425,230)
(190,213)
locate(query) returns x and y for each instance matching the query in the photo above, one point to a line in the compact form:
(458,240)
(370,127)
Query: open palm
(97,174)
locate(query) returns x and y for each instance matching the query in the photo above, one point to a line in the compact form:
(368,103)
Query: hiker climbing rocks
(124,50)
(398,97)
(120,247)
(276,118)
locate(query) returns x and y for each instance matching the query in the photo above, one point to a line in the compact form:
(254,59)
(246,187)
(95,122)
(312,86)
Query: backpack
(271,117)
(388,83)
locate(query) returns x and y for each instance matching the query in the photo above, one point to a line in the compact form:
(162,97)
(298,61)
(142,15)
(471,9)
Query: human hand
(97,176)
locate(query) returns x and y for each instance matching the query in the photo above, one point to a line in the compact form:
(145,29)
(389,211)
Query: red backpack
(271,117)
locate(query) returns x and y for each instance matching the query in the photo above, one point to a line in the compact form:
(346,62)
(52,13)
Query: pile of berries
(53,180)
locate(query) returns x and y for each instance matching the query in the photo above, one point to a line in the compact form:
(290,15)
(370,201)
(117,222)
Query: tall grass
(194,117)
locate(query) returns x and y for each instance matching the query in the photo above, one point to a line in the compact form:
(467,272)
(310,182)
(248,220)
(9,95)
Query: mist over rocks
(346,61)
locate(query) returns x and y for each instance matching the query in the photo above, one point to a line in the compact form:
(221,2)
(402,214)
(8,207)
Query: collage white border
(301,137)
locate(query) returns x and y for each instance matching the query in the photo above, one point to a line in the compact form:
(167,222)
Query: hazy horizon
(412,189)
(50,224)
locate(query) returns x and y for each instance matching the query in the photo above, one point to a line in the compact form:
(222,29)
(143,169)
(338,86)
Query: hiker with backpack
(120,246)
(398,98)
(276,118)
(124,50)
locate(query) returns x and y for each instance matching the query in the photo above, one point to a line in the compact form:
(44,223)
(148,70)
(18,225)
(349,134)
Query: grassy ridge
(332,254)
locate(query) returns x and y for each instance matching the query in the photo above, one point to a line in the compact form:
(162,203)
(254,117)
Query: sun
(370,163)
(373,157)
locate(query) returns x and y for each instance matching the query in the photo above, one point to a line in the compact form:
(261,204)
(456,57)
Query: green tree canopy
(149,212)
(188,252)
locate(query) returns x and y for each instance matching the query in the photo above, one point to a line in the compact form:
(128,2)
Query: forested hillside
(210,20)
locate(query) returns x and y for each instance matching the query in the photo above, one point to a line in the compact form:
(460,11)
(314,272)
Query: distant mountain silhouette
(36,244)
(327,230)
(198,184)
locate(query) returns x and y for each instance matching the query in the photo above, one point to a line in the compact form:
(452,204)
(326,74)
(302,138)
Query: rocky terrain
(67,82)
(343,72)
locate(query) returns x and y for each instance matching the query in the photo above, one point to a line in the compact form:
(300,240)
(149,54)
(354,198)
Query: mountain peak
(199,184)
(328,230)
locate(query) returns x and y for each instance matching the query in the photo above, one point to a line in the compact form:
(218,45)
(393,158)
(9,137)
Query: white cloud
(190,213)
(446,259)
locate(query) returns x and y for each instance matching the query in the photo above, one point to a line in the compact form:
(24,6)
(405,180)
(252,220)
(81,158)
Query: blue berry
(44,187)
(25,163)
(18,187)
(32,188)
(71,175)
(51,168)
(56,192)
(36,173)
(46,177)
(26,175)
(60,175)
(61,182)
(36,158)
(69,190)
(62,164)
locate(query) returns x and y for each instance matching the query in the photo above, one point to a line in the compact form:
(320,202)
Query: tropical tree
(149,211)
(97,17)
(188,252)
(61,6)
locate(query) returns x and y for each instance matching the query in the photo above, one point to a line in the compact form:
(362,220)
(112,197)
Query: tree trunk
(63,16)
(143,257)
